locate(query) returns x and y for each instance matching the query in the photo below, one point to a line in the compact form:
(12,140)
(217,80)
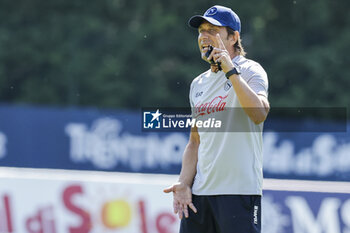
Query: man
(221,175)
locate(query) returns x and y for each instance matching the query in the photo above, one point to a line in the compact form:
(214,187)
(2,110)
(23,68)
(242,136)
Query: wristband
(233,71)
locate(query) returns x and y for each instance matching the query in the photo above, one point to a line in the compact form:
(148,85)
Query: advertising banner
(110,140)
(52,202)
(58,201)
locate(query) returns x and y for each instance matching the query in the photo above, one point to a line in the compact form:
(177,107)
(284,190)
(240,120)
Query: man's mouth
(205,46)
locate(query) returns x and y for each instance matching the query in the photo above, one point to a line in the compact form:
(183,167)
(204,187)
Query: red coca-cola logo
(216,105)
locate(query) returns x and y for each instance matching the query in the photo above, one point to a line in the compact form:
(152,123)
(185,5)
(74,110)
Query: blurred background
(128,54)
(74,76)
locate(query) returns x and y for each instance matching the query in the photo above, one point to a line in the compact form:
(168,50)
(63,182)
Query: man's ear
(234,38)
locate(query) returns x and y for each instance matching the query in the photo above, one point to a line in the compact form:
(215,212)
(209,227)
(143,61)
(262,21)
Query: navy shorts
(224,214)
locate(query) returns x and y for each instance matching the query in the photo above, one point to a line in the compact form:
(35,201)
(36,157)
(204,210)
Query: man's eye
(212,30)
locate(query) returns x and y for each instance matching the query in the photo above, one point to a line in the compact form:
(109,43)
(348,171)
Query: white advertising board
(62,201)
(52,202)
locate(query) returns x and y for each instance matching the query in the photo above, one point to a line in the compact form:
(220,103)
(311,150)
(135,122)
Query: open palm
(182,199)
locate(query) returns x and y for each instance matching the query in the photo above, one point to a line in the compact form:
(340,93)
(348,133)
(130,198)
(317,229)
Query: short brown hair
(238,45)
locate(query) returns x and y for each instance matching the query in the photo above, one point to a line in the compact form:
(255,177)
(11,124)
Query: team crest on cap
(211,11)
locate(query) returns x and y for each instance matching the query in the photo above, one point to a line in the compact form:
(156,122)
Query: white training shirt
(229,162)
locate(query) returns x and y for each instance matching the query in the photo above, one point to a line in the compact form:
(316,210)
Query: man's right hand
(182,195)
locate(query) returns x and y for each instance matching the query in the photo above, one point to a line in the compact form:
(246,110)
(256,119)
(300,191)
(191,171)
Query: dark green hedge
(127,54)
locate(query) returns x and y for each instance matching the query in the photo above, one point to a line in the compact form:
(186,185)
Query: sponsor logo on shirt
(215,105)
(227,85)
(199,94)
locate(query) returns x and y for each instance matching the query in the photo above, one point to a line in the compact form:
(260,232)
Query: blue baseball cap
(219,16)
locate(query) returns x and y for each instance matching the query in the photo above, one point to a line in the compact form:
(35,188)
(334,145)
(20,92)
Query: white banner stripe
(163,179)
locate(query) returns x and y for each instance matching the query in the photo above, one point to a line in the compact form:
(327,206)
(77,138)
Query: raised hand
(220,54)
